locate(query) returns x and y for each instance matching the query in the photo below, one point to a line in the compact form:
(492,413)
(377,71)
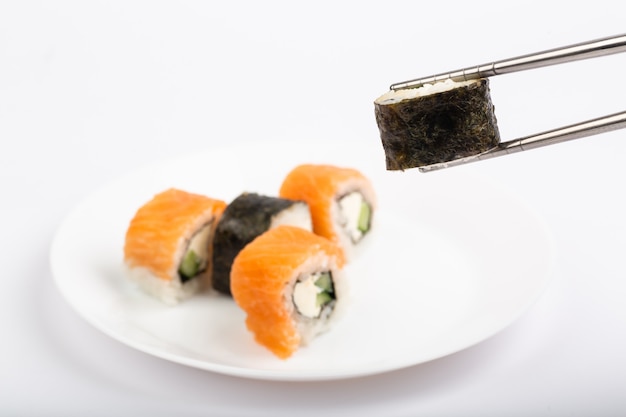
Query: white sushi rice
(396,96)
(298,214)
(170,292)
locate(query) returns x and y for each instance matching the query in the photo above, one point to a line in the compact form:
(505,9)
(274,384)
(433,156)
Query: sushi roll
(436,123)
(168,244)
(290,283)
(245,218)
(342,201)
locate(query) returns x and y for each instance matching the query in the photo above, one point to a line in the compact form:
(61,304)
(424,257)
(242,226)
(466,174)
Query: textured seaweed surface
(439,127)
(245,218)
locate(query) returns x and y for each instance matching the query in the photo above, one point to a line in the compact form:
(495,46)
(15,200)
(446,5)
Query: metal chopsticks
(551,137)
(585,50)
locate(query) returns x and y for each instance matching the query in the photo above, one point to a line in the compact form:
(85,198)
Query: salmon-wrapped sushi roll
(341,200)
(168,244)
(289,282)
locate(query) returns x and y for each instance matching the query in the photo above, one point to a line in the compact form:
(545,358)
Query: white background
(91,90)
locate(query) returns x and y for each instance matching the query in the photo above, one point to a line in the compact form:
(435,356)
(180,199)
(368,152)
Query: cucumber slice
(364,217)
(190,265)
(323,298)
(325,282)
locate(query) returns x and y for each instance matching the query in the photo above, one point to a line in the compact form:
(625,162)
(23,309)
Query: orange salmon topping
(154,235)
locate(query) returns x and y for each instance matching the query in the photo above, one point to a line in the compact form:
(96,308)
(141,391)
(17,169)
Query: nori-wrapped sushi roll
(436,123)
(245,218)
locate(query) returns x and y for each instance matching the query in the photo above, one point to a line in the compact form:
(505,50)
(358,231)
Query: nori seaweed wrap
(245,218)
(436,123)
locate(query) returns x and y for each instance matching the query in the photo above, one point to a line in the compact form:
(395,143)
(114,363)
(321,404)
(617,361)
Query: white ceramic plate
(452,260)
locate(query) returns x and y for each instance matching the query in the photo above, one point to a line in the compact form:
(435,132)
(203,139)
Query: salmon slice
(263,276)
(159,231)
(322,187)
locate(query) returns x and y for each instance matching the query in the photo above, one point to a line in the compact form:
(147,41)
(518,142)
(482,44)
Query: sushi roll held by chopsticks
(168,244)
(447,119)
(436,123)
